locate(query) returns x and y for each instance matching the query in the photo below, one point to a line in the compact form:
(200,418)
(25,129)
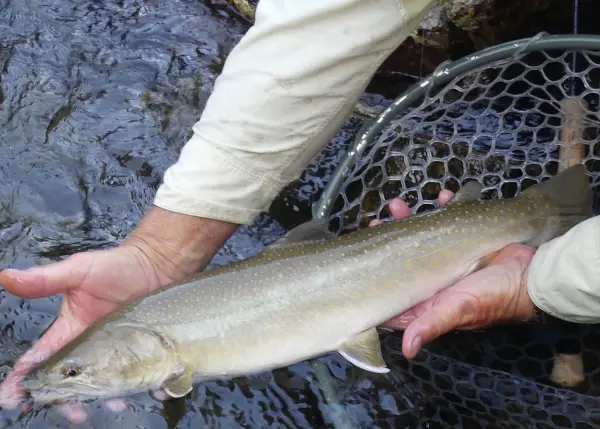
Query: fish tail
(569,195)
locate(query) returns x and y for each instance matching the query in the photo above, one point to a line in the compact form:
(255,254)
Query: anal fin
(364,351)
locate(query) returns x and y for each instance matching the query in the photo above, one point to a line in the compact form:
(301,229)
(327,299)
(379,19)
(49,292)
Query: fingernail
(405,321)
(416,345)
(18,275)
(13,274)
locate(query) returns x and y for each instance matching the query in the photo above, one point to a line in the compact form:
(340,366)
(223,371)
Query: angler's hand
(493,294)
(93,283)
(165,247)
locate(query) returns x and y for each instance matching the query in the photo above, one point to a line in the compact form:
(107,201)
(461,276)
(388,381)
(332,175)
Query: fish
(306,295)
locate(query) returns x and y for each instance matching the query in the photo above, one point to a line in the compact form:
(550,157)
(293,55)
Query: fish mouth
(48,396)
(44,394)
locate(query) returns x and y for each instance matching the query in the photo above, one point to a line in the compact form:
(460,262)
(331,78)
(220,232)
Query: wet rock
(454,28)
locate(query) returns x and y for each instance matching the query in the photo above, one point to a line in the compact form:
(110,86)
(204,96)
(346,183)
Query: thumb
(38,282)
(473,299)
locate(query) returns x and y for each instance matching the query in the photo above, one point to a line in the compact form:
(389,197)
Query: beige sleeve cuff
(284,93)
(209,182)
(564,275)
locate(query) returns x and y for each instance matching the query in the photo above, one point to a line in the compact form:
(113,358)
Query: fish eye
(70,371)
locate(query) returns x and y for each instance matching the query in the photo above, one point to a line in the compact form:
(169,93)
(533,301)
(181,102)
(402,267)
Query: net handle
(443,74)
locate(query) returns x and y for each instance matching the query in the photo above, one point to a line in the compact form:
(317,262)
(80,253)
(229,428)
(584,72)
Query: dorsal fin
(313,230)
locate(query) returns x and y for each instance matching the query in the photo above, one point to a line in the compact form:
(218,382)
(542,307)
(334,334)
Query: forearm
(564,275)
(284,93)
(179,244)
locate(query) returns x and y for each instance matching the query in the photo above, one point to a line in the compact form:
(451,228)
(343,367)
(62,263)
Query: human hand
(493,294)
(93,283)
(164,248)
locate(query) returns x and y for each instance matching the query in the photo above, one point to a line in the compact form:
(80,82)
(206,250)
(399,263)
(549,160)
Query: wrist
(526,308)
(530,311)
(176,244)
(537,315)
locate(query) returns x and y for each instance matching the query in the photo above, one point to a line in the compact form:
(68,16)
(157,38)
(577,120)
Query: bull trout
(308,294)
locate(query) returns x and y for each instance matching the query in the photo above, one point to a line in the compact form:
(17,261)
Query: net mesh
(500,125)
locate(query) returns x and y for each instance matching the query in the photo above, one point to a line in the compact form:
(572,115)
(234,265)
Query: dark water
(96,100)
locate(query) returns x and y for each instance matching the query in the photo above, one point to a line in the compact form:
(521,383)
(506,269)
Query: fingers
(445,196)
(11,392)
(38,282)
(63,330)
(448,315)
(488,296)
(399,209)
(60,333)
(74,412)
(513,252)
(116,405)
(403,320)
(160,395)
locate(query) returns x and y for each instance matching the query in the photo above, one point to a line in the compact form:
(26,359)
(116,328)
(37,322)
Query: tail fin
(569,195)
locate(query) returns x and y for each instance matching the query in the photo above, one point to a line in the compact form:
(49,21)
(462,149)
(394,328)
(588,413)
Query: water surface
(96,100)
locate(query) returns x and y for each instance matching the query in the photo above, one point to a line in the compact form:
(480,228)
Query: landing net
(499,117)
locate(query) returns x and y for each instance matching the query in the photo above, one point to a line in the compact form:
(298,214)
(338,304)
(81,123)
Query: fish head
(110,362)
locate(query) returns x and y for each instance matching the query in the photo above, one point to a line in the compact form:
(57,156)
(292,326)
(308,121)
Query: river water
(96,100)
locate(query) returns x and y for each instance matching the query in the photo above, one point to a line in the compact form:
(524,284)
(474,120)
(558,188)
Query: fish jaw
(46,394)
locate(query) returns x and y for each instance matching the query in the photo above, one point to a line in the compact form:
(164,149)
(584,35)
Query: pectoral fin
(364,351)
(179,385)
